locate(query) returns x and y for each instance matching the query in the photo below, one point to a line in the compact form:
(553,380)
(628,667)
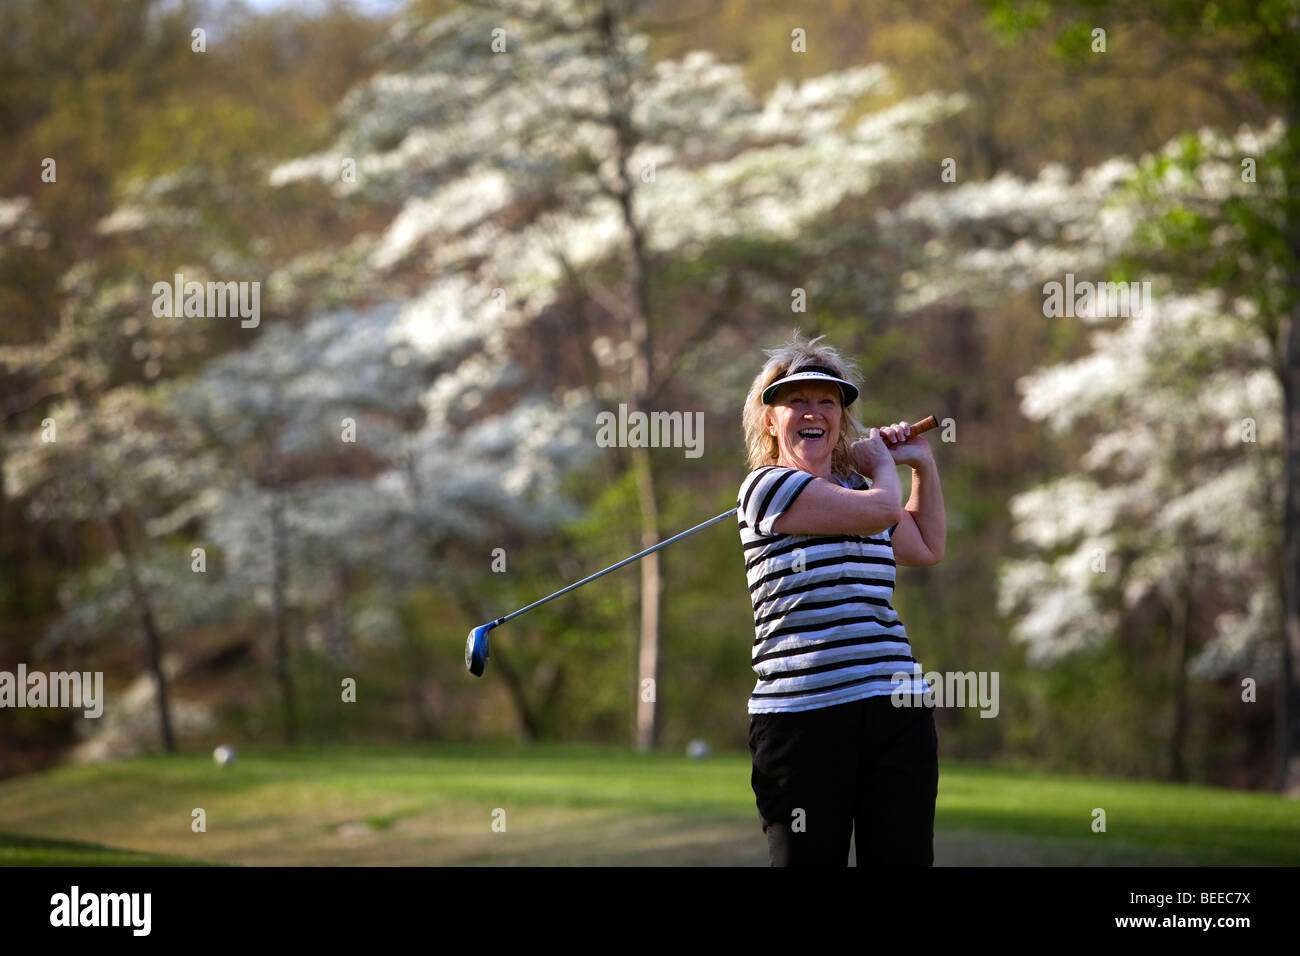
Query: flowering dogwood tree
(115,461)
(336,460)
(1173,505)
(514,147)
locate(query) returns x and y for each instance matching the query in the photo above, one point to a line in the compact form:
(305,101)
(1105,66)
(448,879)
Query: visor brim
(848,392)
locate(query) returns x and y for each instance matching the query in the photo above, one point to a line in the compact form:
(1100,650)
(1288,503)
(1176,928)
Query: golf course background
(275,532)
(581,805)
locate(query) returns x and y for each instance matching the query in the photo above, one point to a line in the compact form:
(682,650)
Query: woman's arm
(922,532)
(824,507)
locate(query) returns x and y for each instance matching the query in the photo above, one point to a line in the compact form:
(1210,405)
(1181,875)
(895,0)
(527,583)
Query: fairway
(576,805)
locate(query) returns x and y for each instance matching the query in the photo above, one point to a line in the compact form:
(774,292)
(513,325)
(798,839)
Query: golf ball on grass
(225,755)
(697,749)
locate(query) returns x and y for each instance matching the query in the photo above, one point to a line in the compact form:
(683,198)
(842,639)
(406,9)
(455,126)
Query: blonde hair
(760,445)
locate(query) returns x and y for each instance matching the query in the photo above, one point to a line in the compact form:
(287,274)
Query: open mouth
(812,434)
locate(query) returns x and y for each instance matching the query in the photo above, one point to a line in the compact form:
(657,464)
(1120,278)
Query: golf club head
(476,649)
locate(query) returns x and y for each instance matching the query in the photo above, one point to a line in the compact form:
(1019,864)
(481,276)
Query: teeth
(811,433)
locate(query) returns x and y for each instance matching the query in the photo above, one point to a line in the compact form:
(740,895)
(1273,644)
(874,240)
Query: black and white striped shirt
(825,629)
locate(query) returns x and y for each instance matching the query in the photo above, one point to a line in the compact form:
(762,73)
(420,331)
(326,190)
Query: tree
(115,463)
(1265,51)
(339,473)
(1170,511)
(529,150)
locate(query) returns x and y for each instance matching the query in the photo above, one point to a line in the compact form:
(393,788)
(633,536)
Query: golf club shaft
(729,513)
(924,425)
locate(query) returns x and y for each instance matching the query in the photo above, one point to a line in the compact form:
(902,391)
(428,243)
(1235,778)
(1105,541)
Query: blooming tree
(514,147)
(1173,504)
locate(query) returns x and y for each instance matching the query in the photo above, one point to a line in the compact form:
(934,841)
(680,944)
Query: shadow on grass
(16,850)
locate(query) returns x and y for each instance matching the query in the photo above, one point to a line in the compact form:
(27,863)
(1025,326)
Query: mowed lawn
(580,805)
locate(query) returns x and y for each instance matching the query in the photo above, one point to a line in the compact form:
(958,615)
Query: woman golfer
(833,749)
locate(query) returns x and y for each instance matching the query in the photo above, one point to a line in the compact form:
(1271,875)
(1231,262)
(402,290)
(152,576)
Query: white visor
(813,373)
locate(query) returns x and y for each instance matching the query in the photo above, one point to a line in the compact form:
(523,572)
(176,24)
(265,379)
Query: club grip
(924,425)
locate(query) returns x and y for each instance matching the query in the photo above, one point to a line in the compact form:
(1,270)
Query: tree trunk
(648,659)
(1289,698)
(641,377)
(527,718)
(1179,624)
(647,688)
(279,615)
(148,627)
(1288,714)
(152,640)
(416,663)
(582,325)
(416,668)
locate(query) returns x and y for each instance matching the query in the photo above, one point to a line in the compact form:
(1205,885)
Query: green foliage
(1015,21)
(113,90)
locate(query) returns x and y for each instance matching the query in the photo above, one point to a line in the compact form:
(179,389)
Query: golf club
(476,645)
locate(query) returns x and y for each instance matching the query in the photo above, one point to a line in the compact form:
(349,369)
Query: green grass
(567,804)
(18,850)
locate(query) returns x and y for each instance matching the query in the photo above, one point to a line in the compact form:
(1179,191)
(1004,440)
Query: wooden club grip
(924,425)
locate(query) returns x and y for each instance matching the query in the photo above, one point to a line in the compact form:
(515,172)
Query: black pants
(869,765)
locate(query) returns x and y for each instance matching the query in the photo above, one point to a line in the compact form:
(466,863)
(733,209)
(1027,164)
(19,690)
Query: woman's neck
(823,470)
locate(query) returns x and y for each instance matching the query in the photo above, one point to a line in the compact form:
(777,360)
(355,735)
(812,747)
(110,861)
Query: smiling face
(805,418)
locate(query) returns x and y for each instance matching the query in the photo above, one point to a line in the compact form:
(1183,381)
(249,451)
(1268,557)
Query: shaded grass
(16,850)
(581,804)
